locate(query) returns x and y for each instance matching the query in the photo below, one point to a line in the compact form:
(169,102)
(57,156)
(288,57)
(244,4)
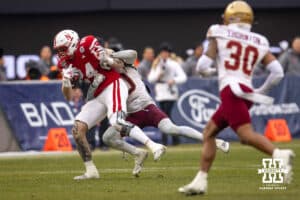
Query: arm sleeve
(204,65)
(276,74)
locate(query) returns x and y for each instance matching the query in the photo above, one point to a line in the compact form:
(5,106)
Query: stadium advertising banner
(32,108)
(200,98)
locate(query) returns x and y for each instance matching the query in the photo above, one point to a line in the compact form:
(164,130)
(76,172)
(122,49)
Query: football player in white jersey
(143,112)
(237,51)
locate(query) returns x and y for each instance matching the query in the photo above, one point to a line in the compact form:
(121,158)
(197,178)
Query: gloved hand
(71,75)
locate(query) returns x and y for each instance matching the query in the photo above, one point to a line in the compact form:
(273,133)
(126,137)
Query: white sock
(128,148)
(190,133)
(275,153)
(168,127)
(137,134)
(200,175)
(89,165)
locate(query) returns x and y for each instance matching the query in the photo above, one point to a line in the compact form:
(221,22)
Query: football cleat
(90,174)
(286,156)
(223,145)
(139,161)
(159,151)
(197,187)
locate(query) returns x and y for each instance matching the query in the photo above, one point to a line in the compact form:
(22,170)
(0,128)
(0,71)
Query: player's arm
(66,88)
(70,76)
(107,61)
(67,92)
(276,73)
(117,60)
(206,60)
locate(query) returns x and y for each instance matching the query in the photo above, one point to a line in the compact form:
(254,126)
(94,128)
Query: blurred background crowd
(44,68)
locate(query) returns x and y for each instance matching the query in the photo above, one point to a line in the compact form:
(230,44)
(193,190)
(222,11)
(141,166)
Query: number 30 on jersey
(241,57)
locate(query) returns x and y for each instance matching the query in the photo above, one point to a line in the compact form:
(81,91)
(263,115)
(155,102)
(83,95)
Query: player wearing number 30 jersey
(237,51)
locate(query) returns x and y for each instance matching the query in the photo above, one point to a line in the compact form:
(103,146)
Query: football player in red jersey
(87,60)
(237,50)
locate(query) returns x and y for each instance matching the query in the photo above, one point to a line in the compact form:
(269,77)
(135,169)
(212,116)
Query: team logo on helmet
(69,37)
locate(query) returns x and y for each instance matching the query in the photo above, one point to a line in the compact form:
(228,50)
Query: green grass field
(233,176)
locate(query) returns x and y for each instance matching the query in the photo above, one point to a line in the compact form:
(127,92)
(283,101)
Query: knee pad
(123,126)
(168,127)
(112,137)
(109,134)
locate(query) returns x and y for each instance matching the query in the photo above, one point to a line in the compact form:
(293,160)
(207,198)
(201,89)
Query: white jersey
(239,51)
(138,97)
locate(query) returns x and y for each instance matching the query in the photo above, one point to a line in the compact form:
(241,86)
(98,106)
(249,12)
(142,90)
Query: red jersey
(87,60)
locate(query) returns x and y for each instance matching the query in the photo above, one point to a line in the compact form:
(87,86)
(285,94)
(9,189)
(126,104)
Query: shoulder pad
(216,30)
(87,41)
(265,42)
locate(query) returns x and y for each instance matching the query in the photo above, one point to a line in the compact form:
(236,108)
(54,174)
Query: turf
(233,176)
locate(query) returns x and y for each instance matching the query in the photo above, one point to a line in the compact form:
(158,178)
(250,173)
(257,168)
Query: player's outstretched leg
(250,137)
(79,133)
(157,149)
(118,121)
(113,138)
(168,127)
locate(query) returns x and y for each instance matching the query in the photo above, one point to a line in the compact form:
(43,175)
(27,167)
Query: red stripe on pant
(119,96)
(114,96)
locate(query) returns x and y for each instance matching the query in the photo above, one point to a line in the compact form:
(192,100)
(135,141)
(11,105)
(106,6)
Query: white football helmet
(65,43)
